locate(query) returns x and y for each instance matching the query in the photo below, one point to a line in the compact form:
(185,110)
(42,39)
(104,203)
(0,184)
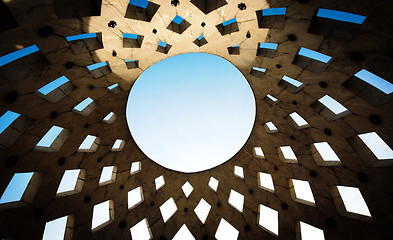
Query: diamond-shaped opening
(200,41)
(270,128)
(110,118)
(207,6)
(298,122)
(183,234)
(225,231)
(103,214)
(71,182)
(108,175)
(136,167)
(268,219)
(290,84)
(135,197)
(213,183)
(59,229)
(308,232)
(265,181)
(258,152)
(90,144)
(286,154)
(301,192)
(202,210)
(350,202)
(141,231)
(377,145)
(187,189)
(329,108)
(238,172)
(324,154)
(167,209)
(53,140)
(118,145)
(160,182)
(236,200)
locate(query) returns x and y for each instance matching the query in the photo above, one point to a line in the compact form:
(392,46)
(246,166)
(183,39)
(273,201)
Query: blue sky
(191,108)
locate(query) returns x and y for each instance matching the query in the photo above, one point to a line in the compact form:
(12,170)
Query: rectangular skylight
(81,36)
(47,140)
(258,152)
(141,231)
(129,60)
(10,57)
(88,143)
(292,81)
(107,117)
(53,85)
(135,197)
(235,46)
(130,35)
(118,145)
(200,37)
(300,122)
(96,65)
(353,200)
(375,81)
(162,44)
(268,219)
(271,126)
(287,153)
(272,98)
(326,152)
(139,3)
(68,181)
(7,119)
(274,11)
(108,175)
(82,105)
(229,22)
(236,200)
(135,167)
(259,69)
(265,181)
(113,86)
(314,55)
(55,229)
(202,210)
(340,16)
(16,187)
(303,191)
(332,104)
(272,46)
(177,19)
(101,215)
(376,144)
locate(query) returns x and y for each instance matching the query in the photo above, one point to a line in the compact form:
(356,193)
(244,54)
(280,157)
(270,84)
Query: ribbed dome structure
(318,162)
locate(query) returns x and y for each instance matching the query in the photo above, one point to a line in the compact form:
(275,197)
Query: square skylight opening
(141,231)
(213,184)
(118,145)
(268,219)
(236,200)
(314,55)
(377,146)
(270,127)
(53,140)
(308,232)
(162,44)
(258,152)
(187,189)
(90,144)
(168,209)
(238,171)
(324,155)
(330,109)
(340,16)
(7,119)
(108,175)
(265,181)
(376,81)
(159,182)
(225,231)
(136,167)
(183,234)
(350,202)
(135,197)
(139,3)
(71,182)
(16,188)
(8,58)
(177,19)
(298,121)
(103,214)
(59,229)
(202,210)
(110,118)
(287,154)
(274,11)
(301,192)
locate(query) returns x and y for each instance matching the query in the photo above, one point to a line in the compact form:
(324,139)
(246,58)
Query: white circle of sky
(191,112)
